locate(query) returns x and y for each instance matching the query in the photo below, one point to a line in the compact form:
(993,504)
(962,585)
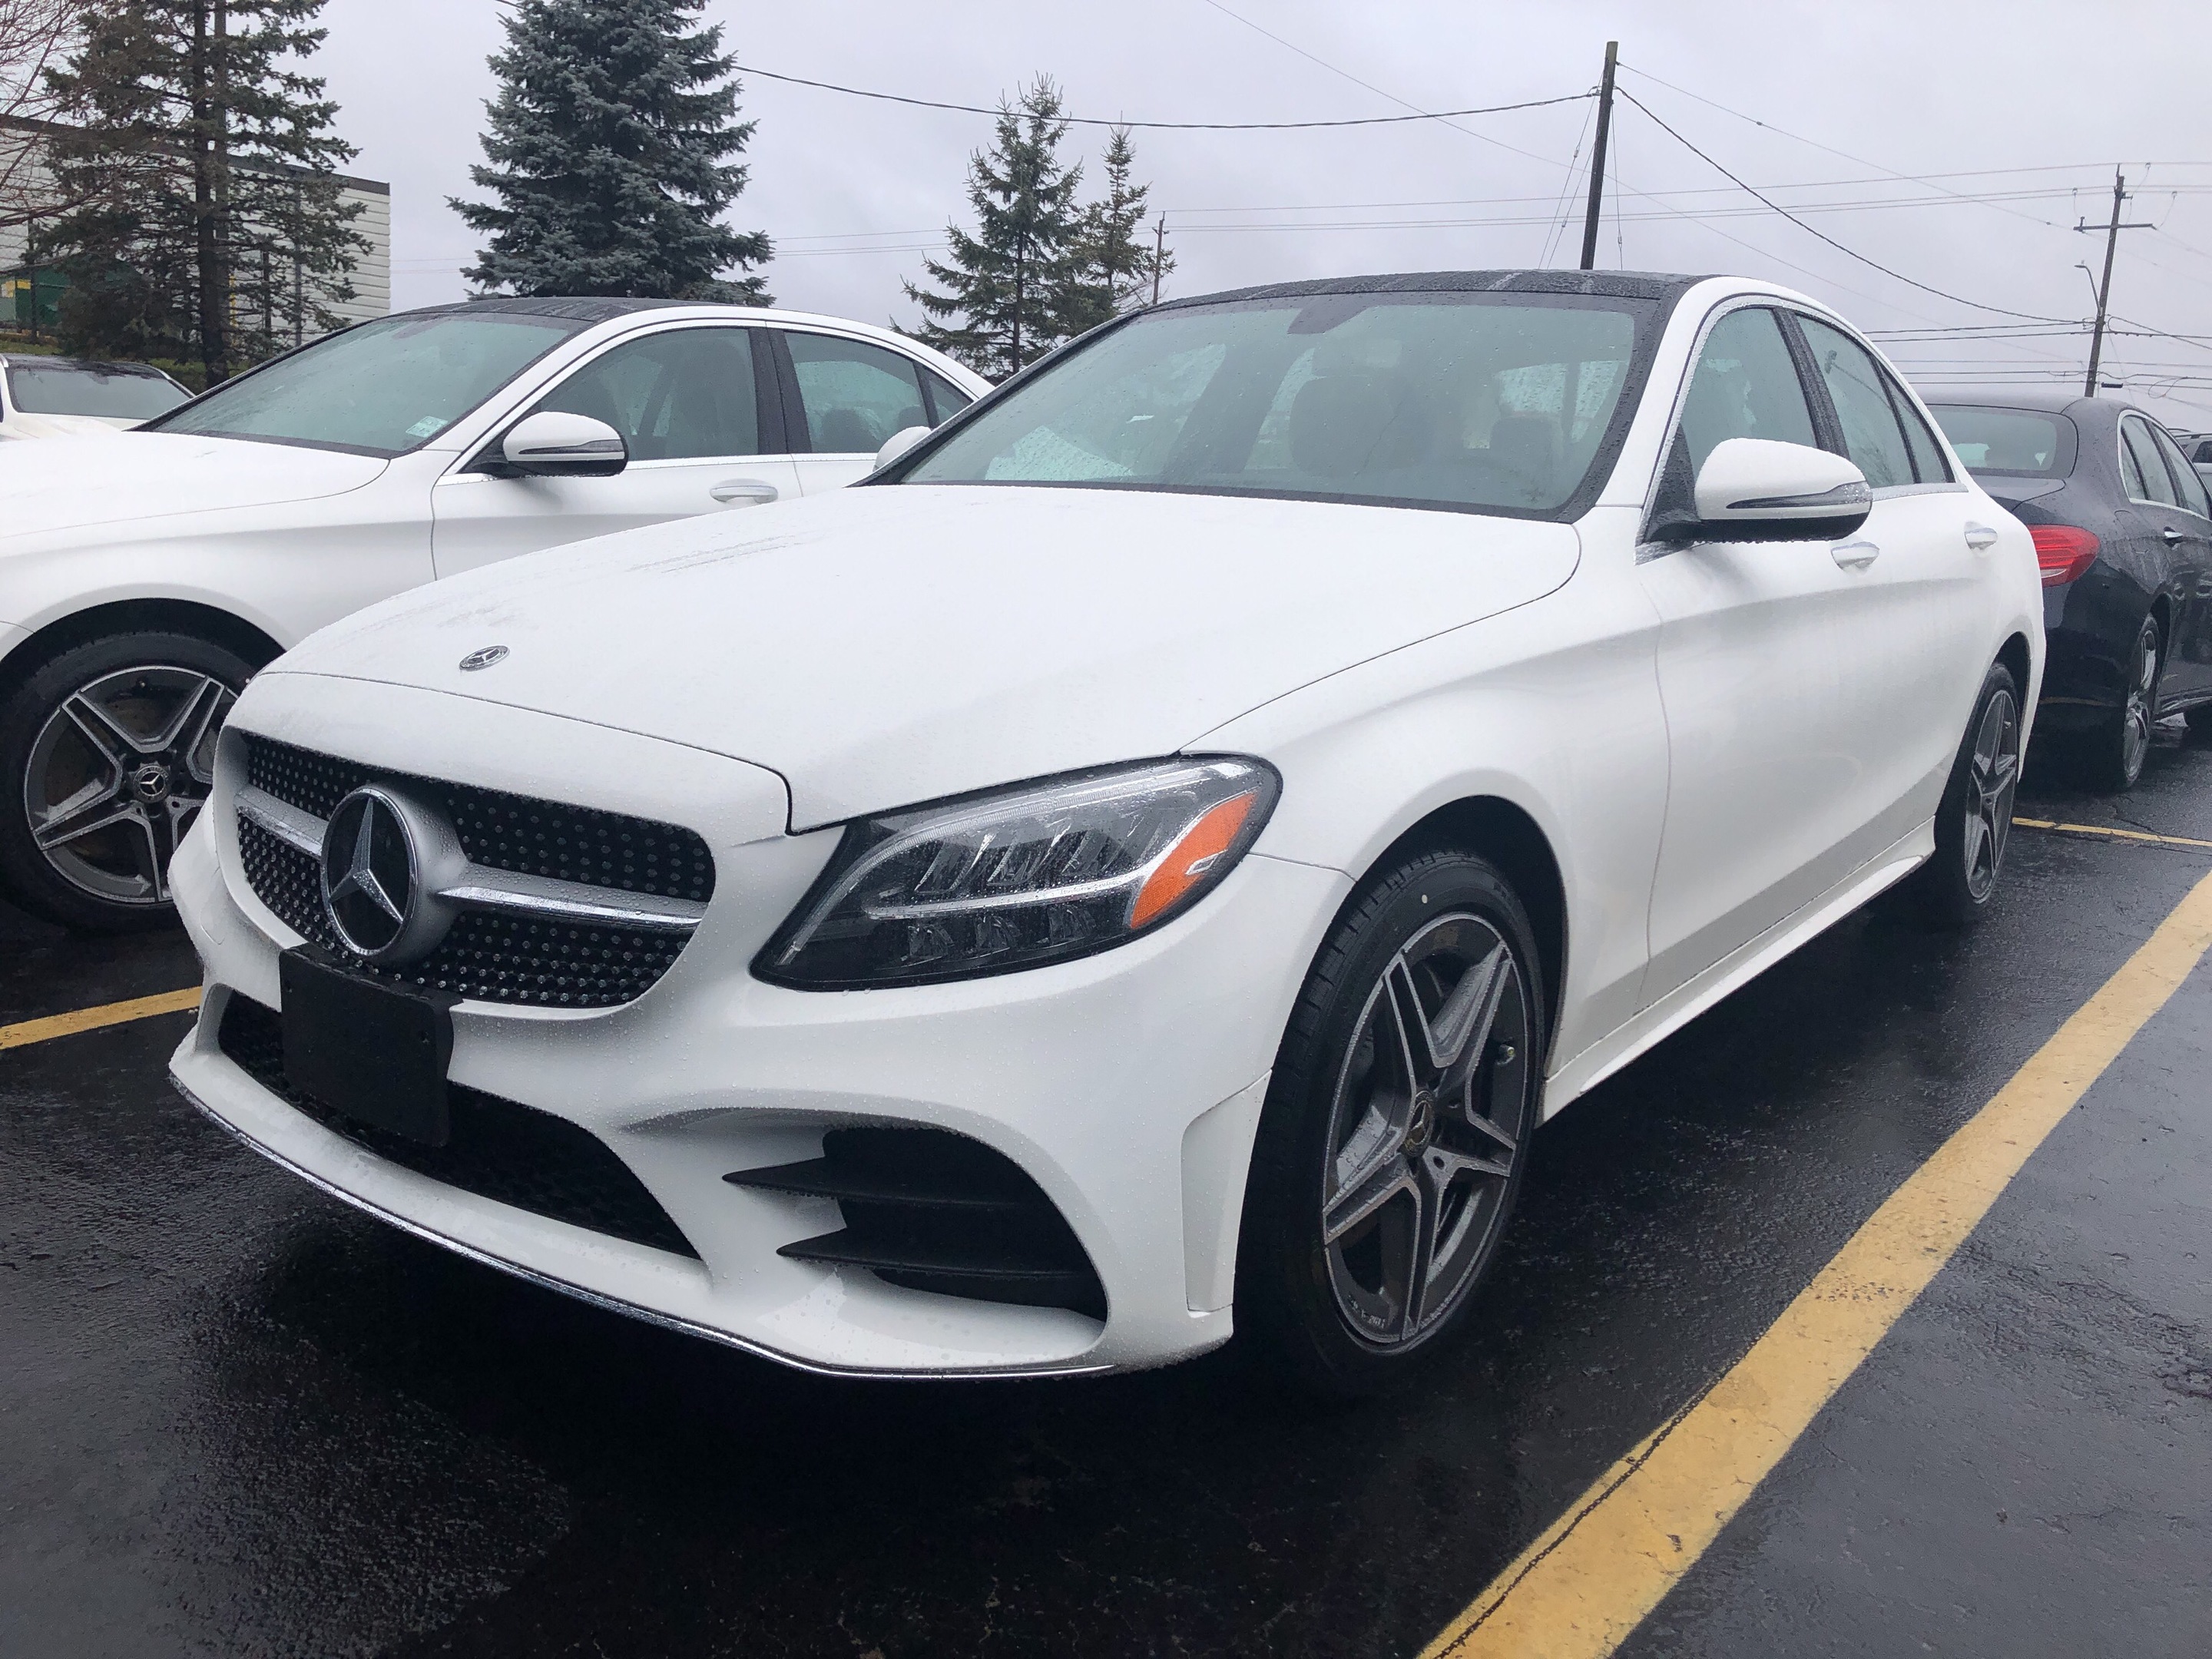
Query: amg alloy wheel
(1426,1130)
(1397,1126)
(1992,779)
(1973,822)
(109,763)
(2118,749)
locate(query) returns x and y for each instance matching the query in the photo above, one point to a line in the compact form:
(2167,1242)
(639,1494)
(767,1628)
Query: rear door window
(2147,478)
(1928,465)
(1873,437)
(2186,484)
(854,394)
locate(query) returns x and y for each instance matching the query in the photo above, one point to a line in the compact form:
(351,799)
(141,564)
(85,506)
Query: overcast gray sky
(2005,122)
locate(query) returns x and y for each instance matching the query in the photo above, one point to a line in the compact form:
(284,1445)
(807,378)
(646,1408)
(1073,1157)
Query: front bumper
(1128,1086)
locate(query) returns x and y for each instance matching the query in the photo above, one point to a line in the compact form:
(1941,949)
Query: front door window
(687,394)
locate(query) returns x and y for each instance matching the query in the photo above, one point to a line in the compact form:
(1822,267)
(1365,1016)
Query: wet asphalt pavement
(238,1418)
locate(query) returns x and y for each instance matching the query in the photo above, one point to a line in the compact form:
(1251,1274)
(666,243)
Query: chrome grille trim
(301,831)
(484,889)
(570,900)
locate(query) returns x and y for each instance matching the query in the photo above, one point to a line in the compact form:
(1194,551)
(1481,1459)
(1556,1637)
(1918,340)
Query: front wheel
(1396,1126)
(107,754)
(1973,822)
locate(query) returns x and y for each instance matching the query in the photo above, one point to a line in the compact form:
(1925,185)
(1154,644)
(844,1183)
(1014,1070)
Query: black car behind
(2123,528)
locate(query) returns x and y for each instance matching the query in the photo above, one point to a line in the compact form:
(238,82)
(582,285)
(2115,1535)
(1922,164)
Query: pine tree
(610,144)
(205,218)
(1116,265)
(1004,286)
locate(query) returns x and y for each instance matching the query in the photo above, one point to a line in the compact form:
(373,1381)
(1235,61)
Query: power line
(1955,299)
(1480,138)
(2052,192)
(1812,144)
(1170,127)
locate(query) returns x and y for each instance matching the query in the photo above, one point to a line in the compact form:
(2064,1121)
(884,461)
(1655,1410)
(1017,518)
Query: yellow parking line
(1591,1578)
(91,1020)
(2102,829)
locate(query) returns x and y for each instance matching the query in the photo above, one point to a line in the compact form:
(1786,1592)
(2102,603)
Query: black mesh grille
(490,957)
(499,1150)
(507,832)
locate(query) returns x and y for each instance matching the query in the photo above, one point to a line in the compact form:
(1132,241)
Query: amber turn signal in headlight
(1018,877)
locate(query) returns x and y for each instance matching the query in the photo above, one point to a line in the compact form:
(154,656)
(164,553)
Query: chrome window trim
(1933,488)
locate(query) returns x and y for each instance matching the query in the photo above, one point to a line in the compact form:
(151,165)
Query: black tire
(1323,1312)
(1973,822)
(2110,756)
(2200,721)
(132,714)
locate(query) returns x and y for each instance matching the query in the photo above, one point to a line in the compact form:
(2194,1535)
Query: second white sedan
(1145,862)
(142,581)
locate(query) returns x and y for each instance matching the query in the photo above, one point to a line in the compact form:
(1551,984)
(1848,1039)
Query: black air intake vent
(928,1210)
(499,1150)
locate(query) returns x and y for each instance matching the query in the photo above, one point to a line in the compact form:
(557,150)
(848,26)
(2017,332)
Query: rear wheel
(1396,1128)
(2113,754)
(1973,822)
(2200,721)
(107,754)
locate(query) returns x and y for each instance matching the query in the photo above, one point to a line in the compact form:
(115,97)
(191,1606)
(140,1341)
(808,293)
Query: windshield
(1474,402)
(2017,442)
(85,389)
(382,388)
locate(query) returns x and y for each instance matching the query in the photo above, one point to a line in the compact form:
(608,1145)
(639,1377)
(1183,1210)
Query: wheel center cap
(150,783)
(1422,1123)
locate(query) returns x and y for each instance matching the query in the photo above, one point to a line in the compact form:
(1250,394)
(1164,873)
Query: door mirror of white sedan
(551,444)
(1754,489)
(898,443)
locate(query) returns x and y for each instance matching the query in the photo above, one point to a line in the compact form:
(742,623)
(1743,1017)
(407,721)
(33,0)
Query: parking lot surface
(236,1417)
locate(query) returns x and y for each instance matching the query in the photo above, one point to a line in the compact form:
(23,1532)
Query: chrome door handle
(1980,537)
(745,489)
(2169,535)
(1856,556)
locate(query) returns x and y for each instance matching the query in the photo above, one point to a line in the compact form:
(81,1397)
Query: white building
(24,181)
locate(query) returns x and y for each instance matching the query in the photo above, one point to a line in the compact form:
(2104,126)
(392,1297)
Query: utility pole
(2112,229)
(1159,254)
(1597,156)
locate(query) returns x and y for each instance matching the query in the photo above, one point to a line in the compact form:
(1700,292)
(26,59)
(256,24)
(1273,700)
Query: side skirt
(1633,1036)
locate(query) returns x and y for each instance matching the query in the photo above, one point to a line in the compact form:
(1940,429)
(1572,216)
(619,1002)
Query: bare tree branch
(35,36)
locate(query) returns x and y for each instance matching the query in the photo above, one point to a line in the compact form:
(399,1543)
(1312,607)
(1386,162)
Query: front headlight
(1021,877)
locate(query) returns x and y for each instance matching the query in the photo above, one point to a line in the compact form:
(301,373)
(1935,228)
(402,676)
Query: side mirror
(898,443)
(553,444)
(1753,489)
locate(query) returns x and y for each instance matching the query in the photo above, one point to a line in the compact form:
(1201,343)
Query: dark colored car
(2198,445)
(2123,528)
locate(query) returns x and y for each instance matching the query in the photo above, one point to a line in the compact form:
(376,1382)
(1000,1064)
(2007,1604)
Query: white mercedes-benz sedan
(143,582)
(1147,861)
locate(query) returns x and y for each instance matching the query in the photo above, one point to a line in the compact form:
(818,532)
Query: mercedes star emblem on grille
(483,657)
(382,855)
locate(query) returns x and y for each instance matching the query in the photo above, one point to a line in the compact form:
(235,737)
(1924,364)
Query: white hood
(81,480)
(884,646)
